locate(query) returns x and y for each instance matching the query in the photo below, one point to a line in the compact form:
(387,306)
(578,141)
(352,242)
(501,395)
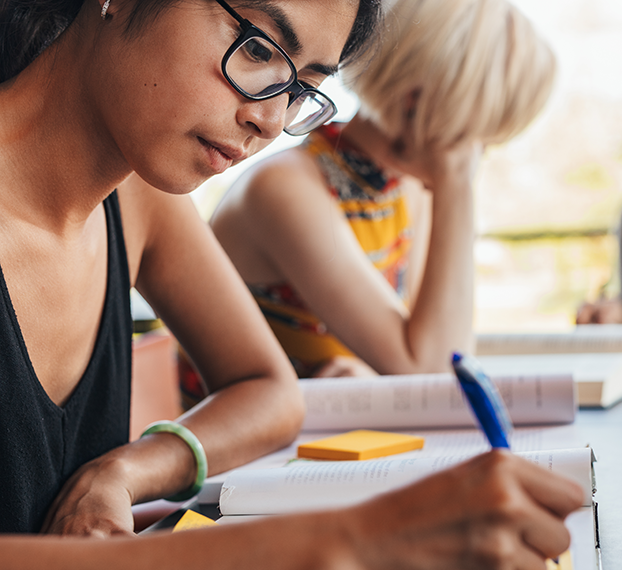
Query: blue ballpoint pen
(485,400)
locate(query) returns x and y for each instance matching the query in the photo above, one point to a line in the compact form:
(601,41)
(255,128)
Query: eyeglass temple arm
(231,11)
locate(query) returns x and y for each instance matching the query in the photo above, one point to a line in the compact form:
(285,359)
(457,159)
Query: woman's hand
(343,366)
(495,511)
(603,311)
(95,501)
(436,167)
(447,167)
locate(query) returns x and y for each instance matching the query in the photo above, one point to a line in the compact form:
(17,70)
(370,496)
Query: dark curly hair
(27,27)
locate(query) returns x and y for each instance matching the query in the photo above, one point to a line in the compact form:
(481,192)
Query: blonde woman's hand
(341,366)
(496,511)
(442,167)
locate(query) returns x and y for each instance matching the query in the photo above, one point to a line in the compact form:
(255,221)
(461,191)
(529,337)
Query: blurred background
(548,203)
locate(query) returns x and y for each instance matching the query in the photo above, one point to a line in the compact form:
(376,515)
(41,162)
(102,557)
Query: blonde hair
(475,69)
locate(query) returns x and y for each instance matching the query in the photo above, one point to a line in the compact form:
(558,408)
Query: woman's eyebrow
(292,44)
(323,69)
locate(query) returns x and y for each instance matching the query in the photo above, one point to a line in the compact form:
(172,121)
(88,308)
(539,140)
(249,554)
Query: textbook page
(430,400)
(584,338)
(318,484)
(473,441)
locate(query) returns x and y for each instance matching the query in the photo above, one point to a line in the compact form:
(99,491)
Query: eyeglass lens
(308,111)
(260,70)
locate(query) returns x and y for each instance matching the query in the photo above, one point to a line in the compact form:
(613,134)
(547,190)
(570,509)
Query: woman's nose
(265,118)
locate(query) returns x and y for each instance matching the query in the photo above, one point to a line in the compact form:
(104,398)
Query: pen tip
(456,357)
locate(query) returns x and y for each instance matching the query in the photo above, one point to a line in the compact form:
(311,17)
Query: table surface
(602,429)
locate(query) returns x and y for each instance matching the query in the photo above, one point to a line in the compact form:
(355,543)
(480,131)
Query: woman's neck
(56,161)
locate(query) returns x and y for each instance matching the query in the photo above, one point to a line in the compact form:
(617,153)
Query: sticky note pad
(359,444)
(564,562)
(192,519)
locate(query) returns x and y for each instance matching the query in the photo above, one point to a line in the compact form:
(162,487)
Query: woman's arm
(283,217)
(496,511)
(420,206)
(442,312)
(256,405)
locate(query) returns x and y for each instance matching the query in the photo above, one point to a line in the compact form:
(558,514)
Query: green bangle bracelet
(192,441)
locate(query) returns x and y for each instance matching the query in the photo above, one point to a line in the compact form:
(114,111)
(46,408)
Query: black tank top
(41,444)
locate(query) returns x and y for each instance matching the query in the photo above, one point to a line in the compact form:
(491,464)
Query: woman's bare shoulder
(289,179)
(276,205)
(290,160)
(281,172)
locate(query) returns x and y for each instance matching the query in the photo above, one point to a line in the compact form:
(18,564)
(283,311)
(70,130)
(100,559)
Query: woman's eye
(258,51)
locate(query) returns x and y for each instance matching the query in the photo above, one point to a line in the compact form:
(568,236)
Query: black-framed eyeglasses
(258,68)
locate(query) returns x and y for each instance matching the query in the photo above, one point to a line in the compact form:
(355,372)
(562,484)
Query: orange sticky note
(192,519)
(360,444)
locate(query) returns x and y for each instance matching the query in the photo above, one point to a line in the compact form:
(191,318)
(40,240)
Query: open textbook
(306,486)
(582,339)
(429,401)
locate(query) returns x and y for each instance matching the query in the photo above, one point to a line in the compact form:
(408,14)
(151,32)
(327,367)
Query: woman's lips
(218,159)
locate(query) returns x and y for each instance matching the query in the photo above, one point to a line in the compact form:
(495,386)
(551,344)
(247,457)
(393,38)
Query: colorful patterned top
(376,209)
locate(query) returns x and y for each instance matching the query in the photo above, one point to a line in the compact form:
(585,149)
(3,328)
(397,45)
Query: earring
(105,9)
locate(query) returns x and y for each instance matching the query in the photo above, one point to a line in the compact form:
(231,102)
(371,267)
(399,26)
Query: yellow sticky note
(360,444)
(564,562)
(192,519)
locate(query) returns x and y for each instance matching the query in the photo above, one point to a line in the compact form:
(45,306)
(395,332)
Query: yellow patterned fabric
(376,209)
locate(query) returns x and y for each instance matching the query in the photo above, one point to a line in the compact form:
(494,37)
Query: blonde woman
(357,245)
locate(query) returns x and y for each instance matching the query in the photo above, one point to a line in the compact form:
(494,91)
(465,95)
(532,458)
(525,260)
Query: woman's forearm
(441,316)
(292,543)
(236,425)
(242,422)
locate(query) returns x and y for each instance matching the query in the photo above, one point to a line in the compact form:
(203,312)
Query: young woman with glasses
(178,91)
(357,245)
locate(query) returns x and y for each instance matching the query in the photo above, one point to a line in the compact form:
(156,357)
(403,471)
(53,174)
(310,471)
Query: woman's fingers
(554,492)
(603,311)
(546,534)
(341,366)
(532,503)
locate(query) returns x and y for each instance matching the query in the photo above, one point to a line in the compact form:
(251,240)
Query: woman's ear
(403,143)
(410,103)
